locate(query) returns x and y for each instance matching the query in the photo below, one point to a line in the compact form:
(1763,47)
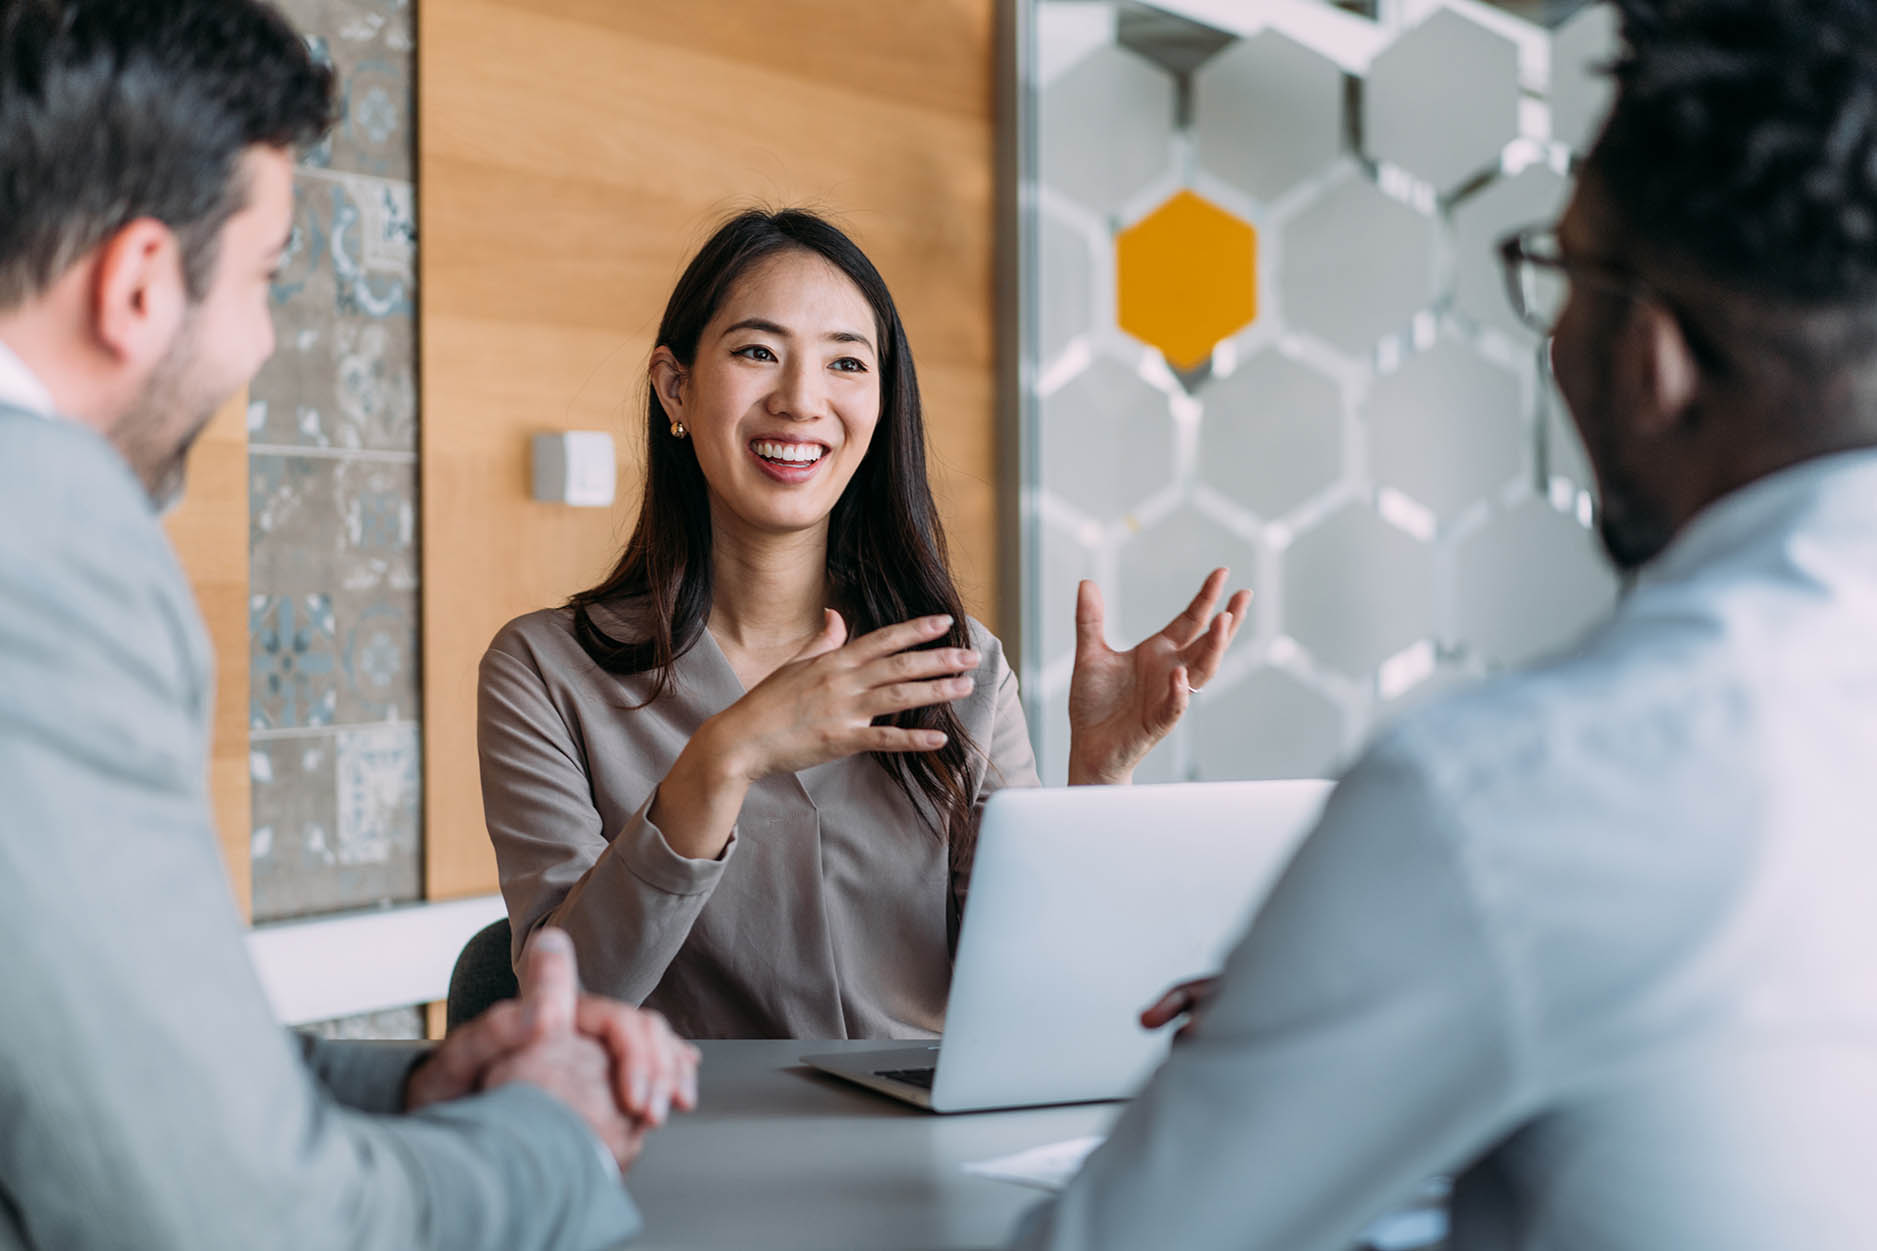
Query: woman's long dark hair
(886,547)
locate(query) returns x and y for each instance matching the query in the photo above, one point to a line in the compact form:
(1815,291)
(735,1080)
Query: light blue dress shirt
(1600,937)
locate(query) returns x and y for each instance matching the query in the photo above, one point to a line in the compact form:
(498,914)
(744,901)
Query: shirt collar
(1768,505)
(20,388)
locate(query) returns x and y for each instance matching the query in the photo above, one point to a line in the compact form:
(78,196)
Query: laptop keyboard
(921,1078)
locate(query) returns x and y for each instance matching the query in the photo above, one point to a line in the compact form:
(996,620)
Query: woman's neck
(768,591)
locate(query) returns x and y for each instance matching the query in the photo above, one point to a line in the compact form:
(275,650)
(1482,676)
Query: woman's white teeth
(794,453)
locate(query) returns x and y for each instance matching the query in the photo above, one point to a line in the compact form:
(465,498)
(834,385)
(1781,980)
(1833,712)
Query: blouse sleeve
(1010,761)
(625,897)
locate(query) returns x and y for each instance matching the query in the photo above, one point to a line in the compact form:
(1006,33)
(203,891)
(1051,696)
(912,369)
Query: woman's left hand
(1122,703)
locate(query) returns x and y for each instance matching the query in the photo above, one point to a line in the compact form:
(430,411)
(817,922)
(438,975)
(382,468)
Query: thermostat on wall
(574,467)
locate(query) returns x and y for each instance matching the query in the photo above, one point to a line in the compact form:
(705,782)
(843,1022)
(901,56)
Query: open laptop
(1086,903)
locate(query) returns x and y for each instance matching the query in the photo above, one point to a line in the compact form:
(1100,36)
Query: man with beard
(147,1100)
(1601,937)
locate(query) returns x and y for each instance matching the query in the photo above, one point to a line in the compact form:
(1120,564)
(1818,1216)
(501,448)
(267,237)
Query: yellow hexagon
(1186,278)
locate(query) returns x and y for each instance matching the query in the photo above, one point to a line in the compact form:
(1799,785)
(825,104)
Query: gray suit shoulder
(96,615)
(78,536)
(55,471)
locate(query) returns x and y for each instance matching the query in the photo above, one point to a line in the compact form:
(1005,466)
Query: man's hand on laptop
(1187,999)
(619,1067)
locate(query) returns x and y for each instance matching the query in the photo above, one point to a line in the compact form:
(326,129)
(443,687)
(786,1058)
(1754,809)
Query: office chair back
(484,975)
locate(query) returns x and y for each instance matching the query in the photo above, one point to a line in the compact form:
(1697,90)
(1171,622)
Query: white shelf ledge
(365,961)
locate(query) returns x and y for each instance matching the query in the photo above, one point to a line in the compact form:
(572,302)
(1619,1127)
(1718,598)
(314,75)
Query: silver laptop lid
(1086,903)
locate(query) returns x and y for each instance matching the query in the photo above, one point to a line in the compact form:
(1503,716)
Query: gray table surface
(779,1156)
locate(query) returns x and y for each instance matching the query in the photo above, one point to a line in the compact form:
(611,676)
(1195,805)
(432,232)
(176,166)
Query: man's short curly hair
(1744,140)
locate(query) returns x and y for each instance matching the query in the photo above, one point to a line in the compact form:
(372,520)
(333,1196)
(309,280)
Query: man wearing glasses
(1601,937)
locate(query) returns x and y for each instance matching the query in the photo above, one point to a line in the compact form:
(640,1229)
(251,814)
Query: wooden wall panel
(573,154)
(210,533)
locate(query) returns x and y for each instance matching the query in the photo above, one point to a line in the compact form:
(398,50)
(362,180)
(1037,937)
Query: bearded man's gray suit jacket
(148,1099)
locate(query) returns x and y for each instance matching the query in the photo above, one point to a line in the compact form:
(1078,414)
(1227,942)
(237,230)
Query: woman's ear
(668,383)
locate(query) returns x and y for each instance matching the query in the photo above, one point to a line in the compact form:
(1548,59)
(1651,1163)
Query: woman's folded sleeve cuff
(648,854)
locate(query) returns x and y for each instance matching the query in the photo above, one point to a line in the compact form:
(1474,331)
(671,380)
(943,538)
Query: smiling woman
(744,772)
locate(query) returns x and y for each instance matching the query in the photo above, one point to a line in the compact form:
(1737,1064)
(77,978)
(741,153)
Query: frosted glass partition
(1264,326)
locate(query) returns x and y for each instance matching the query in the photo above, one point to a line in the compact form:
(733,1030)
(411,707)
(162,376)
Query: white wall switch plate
(575,467)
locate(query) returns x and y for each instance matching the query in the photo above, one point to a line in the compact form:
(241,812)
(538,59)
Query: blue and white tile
(345,383)
(371,45)
(397,1024)
(332,524)
(296,811)
(294,672)
(332,425)
(335,821)
(377,642)
(373,244)
(344,372)
(378,778)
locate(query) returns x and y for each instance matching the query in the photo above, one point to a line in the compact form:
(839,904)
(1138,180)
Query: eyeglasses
(1539,277)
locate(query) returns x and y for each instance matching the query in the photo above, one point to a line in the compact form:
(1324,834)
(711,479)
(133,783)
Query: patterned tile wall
(332,438)
(405,1023)
(1268,330)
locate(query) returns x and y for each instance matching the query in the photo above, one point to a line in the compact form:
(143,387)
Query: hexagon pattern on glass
(1356,266)
(1052,762)
(1065,299)
(1064,563)
(1447,428)
(1186,278)
(1267,114)
(1530,584)
(1272,435)
(1107,441)
(1535,197)
(1442,101)
(1565,452)
(1271,725)
(1163,565)
(1105,128)
(1418,517)
(1357,591)
(1581,91)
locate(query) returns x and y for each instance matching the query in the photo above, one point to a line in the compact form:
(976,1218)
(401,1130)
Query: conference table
(779,1157)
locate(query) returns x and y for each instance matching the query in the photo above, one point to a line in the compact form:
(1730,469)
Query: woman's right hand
(821,704)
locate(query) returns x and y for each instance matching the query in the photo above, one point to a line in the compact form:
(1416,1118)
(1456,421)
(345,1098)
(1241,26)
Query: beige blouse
(826,915)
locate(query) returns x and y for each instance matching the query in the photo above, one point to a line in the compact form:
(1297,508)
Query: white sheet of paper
(1048,1167)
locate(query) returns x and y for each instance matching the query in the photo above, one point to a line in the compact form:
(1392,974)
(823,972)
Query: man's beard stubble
(161,428)
(1634,530)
